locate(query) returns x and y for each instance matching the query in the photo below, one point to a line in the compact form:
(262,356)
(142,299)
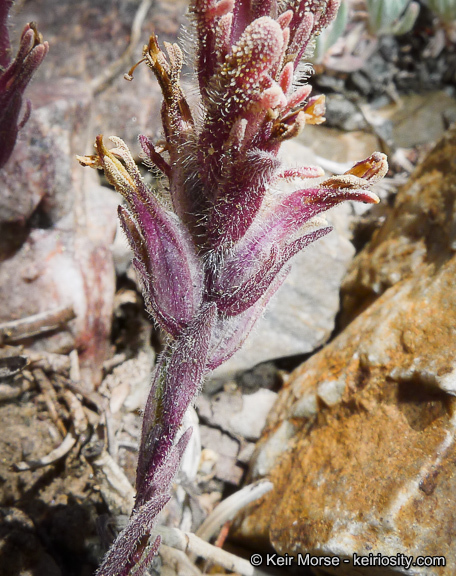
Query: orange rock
(360,445)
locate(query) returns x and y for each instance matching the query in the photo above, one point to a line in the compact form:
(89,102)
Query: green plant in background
(392,16)
(445,10)
(329,36)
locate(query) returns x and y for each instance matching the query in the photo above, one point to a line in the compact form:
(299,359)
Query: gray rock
(227,451)
(241,415)
(250,420)
(343,114)
(361,82)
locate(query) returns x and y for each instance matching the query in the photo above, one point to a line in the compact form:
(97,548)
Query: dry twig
(48,362)
(91,398)
(114,486)
(52,457)
(191,544)
(77,413)
(8,392)
(50,397)
(102,81)
(179,561)
(34,325)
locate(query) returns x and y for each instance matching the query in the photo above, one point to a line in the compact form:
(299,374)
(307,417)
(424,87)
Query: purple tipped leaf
(301,33)
(238,298)
(174,270)
(301,172)
(292,248)
(280,220)
(329,14)
(248,293)
(154,156)
(168,323)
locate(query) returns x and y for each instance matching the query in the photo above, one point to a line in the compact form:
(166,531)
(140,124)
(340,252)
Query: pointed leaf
(280,220)
(174,270)
(158,480)
(154,156)
(117,561)
(173,279)
(238,298)
(250,291)
(168,323)
(177,379)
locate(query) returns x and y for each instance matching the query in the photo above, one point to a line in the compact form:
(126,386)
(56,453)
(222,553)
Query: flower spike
(210,258)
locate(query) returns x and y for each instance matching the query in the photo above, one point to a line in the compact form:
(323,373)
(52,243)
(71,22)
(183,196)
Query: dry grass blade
(52,457)
(228,509)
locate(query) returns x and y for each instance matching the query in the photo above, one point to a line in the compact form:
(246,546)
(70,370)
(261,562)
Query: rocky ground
(344,394)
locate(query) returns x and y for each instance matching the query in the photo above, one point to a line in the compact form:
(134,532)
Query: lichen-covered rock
(361,443)
(420,231)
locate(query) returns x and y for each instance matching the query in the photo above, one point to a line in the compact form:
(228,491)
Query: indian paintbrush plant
(14,77)
(214,251)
